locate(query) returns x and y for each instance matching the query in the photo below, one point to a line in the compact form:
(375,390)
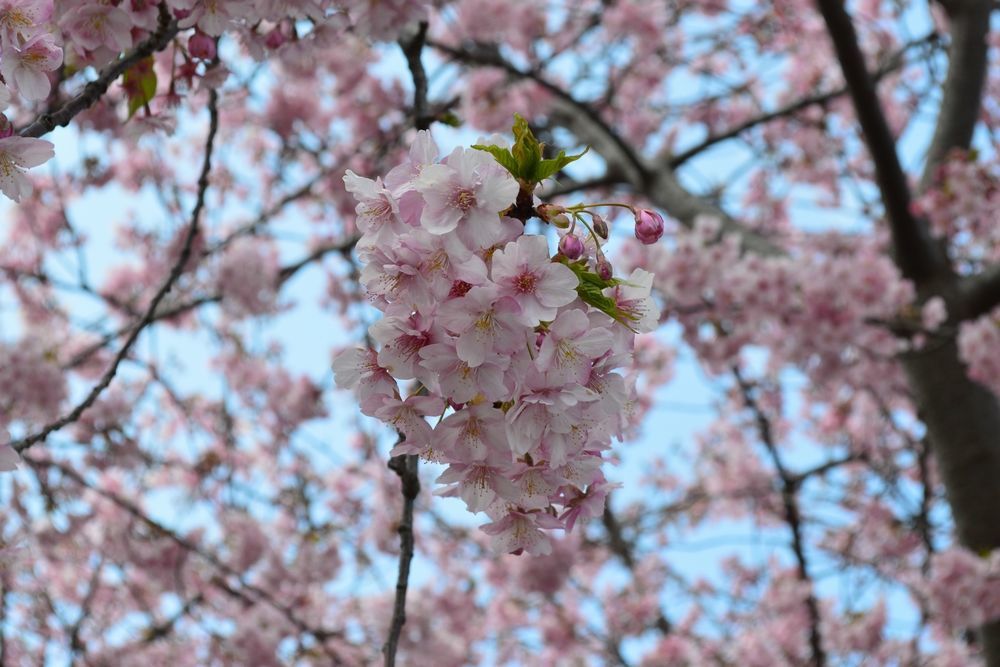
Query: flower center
(525,283)
(15,19)
(464,199)
(459,288)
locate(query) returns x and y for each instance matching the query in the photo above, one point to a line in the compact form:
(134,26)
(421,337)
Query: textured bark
(963,425)
(962,417)
(963,87)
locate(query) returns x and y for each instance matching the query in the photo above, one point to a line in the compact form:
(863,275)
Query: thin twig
(789,487)
(892,64)
(623,549)
(150,314)
(259,594)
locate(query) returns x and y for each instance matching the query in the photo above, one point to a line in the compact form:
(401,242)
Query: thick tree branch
(406,467)
(93,91)
(917,255)
(963,87)
(413,49)
(150,314)
(658,184)
(979,294)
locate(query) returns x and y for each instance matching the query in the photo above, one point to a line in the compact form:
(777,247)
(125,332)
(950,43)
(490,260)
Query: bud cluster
(513,352)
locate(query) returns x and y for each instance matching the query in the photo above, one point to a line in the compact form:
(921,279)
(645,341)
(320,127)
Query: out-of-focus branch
(407,465)
(979,294)
(413,49)
(892,64)
(659,184)
(76,644)
(623,549)
(919,257)
(166,30)
(792,515)
(178,268)
(969,21)
(259,594)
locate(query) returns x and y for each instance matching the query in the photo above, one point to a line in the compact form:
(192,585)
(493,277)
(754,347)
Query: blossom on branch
(516,349)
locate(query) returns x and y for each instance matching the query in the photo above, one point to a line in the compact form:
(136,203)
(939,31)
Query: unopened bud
(561,221)
(275,38)
(6,127)
(604,269)
(600,227)
(571,246)
(648,226)
(201,46)
(548,211)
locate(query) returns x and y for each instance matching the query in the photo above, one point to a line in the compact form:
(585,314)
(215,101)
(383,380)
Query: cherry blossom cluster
(962,207)
(34,388)
(507,353)
(28,52)
(38,36)
(979,348)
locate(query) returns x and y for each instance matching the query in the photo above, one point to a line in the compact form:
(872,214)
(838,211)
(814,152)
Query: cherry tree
(505,227)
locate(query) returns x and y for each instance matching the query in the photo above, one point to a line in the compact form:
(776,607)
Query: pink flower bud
(201,46)
(604,269)
(571,246)
(6,127)
(275,38)
(648,226)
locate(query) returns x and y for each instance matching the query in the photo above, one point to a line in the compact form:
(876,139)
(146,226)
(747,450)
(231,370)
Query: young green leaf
(139,82)
(548,168)
(501,155)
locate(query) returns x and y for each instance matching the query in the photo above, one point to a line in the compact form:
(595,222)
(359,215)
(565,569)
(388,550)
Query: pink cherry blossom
(570,346)
(17,155)
(27,67)
(21,20)
(98,26)
(468,188)
(524,271)
(484,323)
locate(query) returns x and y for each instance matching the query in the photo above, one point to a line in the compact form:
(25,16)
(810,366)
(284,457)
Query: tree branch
(789,486)
(93,91)
(150,314)
(407,465)
(979,294)
(260,594)
(892,64)
(918,256)
(658,184)
(621,548)
(963,86)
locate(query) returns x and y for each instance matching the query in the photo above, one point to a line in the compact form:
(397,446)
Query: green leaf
(550,167)
(502,155)
(450,119)
(527,151)
(591,291)
(524,160)
(139,82)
